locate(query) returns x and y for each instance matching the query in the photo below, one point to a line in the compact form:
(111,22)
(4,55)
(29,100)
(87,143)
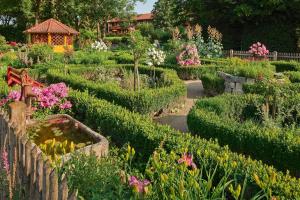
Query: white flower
(99,46)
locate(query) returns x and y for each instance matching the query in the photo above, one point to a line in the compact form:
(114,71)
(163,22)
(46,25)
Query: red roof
(140,17)
(51,26)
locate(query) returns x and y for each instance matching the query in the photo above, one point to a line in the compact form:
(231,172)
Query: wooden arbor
(52,32)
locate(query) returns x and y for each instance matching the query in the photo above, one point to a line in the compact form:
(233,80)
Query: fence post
(17,115)
(275,55)
(231,53)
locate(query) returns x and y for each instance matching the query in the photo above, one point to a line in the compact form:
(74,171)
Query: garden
(91,113)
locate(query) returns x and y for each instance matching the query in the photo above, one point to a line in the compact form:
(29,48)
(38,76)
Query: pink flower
(187,159)
(5,161)
(138,185)
(14,95)
(66,105)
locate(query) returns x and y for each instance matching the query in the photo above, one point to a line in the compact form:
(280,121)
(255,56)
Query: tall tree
(163,12)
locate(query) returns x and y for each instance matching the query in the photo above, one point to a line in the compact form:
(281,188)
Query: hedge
(282,66)
(294,76)
(210,118)
(145,136)
(213,84)
(146,101)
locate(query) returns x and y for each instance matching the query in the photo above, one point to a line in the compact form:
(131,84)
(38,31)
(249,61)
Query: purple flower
(187,159)
(138,185)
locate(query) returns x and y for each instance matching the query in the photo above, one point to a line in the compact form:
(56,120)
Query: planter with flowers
(259,51)
(55,132)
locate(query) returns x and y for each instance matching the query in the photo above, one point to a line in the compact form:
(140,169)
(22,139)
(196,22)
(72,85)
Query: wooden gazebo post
(49,38)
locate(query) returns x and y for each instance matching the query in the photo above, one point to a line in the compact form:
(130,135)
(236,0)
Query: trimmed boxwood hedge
(282,66)
(146,101)
(217,118)
(145,136)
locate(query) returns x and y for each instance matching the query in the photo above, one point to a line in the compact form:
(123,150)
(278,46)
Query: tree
(139,46)
(163,12)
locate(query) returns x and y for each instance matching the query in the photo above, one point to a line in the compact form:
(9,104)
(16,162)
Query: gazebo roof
(51,26)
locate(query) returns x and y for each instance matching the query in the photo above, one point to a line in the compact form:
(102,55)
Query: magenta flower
(138,185)
(187,159)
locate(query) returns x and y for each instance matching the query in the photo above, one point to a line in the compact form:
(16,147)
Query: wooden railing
(29,171)
(271,56)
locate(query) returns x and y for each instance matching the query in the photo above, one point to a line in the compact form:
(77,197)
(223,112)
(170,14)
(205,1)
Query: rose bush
(189,56)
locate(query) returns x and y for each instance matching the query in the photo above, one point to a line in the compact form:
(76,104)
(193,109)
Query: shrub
(282,66)
(293,76)
(9,58)
(81,57)
(3,46)
(145,101)
(96,178)
(241,122)
(123,57)
(40,52)
(144,135)
(213,84)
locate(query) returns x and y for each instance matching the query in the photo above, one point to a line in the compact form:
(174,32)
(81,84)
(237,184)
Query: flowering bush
(52,99)
(258,50)
(213,47)
(189,56)
(99,46)
(156,56)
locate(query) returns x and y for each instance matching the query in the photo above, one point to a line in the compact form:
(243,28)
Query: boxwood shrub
(145,136)
(146,101)
(236,121)
(282,66)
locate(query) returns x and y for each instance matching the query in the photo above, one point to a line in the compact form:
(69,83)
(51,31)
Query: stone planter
(99,146)
(234,84)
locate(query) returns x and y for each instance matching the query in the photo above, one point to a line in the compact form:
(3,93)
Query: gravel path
(178,120)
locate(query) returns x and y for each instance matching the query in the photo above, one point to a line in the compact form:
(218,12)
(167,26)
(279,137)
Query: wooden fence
(29,172)
(272,55)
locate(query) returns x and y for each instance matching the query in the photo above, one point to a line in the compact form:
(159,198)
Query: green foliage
(282,66)
(238,67)
(145,102)
(212,83)
(243,123)
(138,45)
(148,30)
(144,135)
(9,58)
(294,77)
(40,52)
(82,57)
(123,57)
(96,178)
(3,46)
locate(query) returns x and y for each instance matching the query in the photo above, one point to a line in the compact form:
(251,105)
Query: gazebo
(54,33)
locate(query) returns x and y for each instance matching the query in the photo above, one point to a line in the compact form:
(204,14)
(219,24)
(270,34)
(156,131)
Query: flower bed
(145,136)
(243,123)
(145,102)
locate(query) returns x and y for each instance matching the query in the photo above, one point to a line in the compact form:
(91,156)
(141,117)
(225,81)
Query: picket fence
(29,172)
(271,56)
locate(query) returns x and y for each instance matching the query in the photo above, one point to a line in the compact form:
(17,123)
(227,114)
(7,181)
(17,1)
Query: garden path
(178,120)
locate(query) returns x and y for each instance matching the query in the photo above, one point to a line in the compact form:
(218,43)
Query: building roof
(139,17)
(51,26)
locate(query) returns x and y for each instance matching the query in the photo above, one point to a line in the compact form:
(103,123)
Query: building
(54,33)
(118,26)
